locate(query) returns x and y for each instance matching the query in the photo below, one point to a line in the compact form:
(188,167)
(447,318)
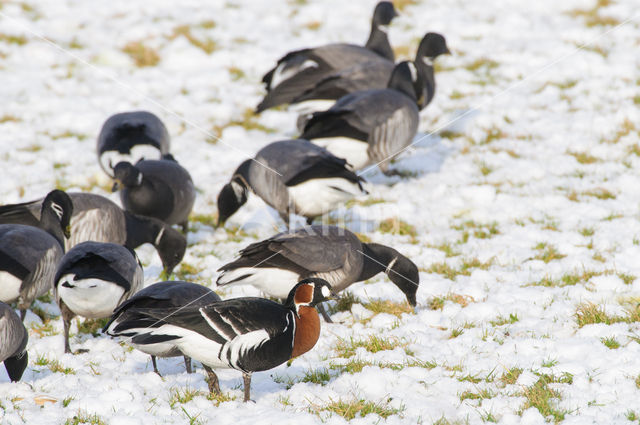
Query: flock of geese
(81,245)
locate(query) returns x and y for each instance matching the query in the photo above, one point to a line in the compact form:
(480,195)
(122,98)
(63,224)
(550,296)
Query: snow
(533,130)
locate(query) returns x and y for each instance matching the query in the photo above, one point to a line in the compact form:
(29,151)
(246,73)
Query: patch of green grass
(44,329)
(592,16)
(350,409)
(510,376)
(481,63)
(587,231)
(485,170)
(66,401)
(483,394)
(396,226)
(456,333)
(569,279)
(610,343)
(248,121)
(589,313)
(549,253)
(319,376)
(186,270)
(8,118)
(437,303)
(220,398)
(389,307)
(542,397)
(207,45)
(344,302)
(502,320)
(600,193)
(91,326)
(465,268)
(84,417)
(236,73)
(53,365)
(177,395)
(477,230)
(373,344)
(447,248)
(584,158)
(207,219)
(142,55)
(632,416)
(20,40)
(626,278)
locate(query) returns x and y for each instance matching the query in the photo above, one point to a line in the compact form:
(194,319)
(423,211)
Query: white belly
(91,298)
(273,282)
(9,287)
(354,151)
(319,196)
(194,345)
(160,349)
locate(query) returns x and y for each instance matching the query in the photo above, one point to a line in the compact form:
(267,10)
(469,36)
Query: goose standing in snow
(375,75)
(93,278)
(156,188)
(332,253)
(292,176)
(128,320)
(247,334)
(29,254)
(14,337)
(300,70)
(96,218)
(131,136)
(371,126)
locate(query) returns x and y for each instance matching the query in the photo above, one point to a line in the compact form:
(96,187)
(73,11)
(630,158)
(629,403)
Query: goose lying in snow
(156,188)
(96,218)
(246,334)
(93,278)
(332,253)
(292,176)
(14,337)
(371,126)
(131,136)
(129,320)
(30,253)
(300,70)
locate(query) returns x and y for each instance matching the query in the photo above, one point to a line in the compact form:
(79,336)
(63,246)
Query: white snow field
(520,204)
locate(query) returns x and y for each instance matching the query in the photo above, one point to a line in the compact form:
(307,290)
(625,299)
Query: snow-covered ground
(524,200)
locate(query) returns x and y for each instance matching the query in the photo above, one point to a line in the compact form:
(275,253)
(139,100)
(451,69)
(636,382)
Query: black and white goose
(375,74)
(300,70)
(30,253)
(96,218)
(14,337)
(332,253)
(292,176)
(247,334)
(93,278)
(128,320)
(131,136)
(371,126)
(156,188)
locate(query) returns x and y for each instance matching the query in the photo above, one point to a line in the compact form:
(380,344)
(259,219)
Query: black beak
(67,232)
(116,186)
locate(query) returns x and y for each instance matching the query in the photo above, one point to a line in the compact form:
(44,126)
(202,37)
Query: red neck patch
(304,294)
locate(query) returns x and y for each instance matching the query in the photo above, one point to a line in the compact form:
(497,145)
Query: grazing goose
(29,255)
(291,176)
(300,70)
(131,136)
(128,321)
(96,218)
(328,252)
(375,74)
(247,334)
(161,189)
(371,126)
(93,278)
(14,337)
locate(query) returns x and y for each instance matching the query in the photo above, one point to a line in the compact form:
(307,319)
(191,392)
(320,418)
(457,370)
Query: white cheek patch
(427,60)
(383,28)
(238,190)
(414,71)
(57,209)
(325,292)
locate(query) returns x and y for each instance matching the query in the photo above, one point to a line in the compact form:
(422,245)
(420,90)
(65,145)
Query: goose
(300,70)
(131,136)
(14,337)
(29,253)
(371,126)
(375,74)
(92,279)
(247,334)
(291,176)
(332,253)
(96,218)
(127,321)
(156,188)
